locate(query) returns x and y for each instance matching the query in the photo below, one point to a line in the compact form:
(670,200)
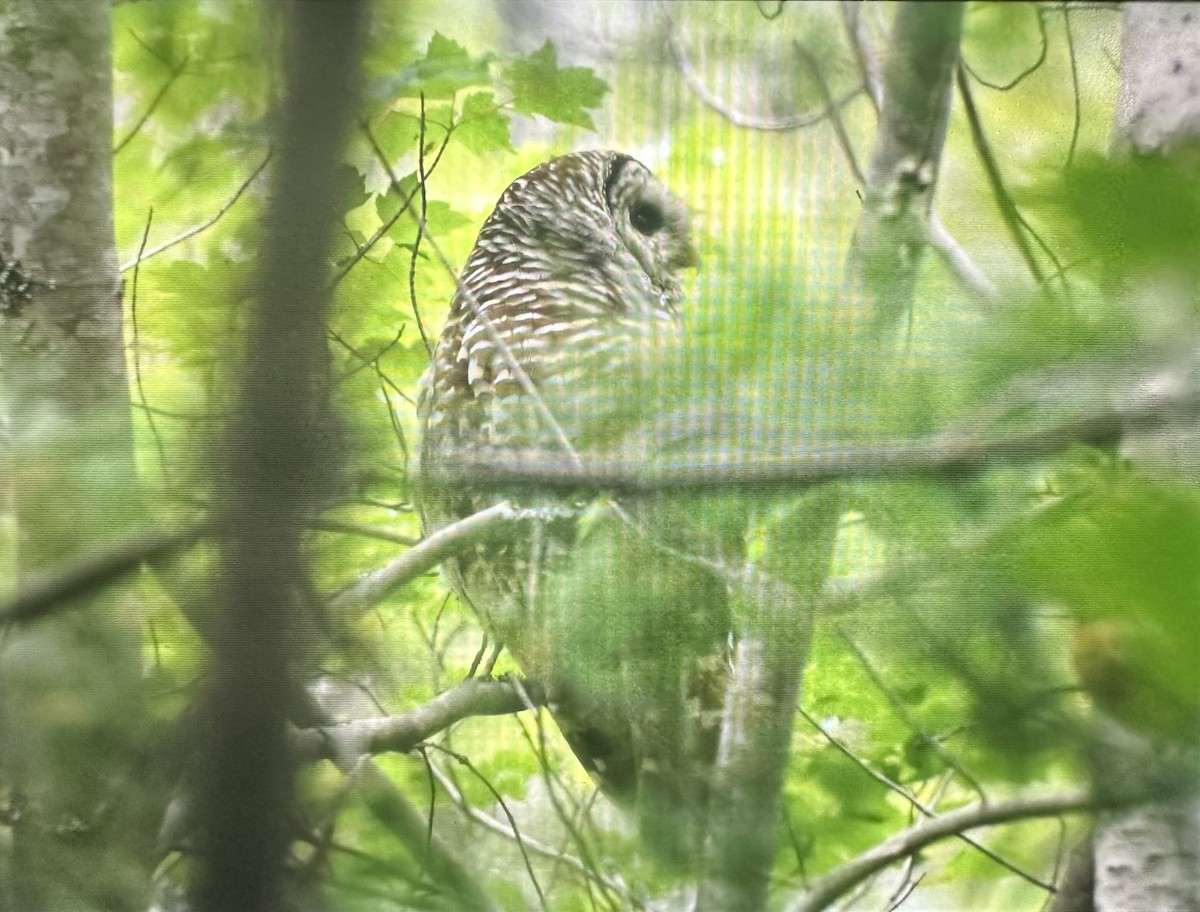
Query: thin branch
(959,262)
(952,452)
(203,226)
(1076,119)
(920,806)
(416,248)
(154,103)
(468,297)
(345,527)
(1029,70)
(440,863)
(927,832)
(464,760)
(548,777)
(537,848)
(898,708)
(740,118)
(404,205)
(831,110)
(434,549)
(348,741)
(1008,209)
(137,351)
(58,585)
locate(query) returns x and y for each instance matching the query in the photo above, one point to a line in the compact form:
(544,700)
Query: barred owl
(564,305)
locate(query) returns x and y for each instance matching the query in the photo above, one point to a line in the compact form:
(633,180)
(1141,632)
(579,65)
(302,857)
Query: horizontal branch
(347,741)
(43,591)
(927,832)
(952,452)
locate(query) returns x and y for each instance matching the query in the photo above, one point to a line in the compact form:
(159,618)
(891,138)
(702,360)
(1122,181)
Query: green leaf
(482,128)
(445,69)
(1135,213)
(351,191)
(397,133)
(440,218)
(540,87)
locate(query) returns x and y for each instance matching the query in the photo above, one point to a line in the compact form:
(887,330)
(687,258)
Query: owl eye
(647,218)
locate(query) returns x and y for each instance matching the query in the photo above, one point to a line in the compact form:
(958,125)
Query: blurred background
(969,374)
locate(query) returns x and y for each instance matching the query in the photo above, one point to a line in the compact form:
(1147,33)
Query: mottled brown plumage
(563,308)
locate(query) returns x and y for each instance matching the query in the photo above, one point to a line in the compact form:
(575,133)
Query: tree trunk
(68,682)
(278,466)
(1149,857)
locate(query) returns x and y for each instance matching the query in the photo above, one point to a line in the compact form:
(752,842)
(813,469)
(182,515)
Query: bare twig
(1029,70)
(137,350)
(1008,209)
(959,262)
(203,226)
(345,527)
(831,109)
(396,814)
(923,808)
(518,372)
(949,759)
(348,741)
(464,760)
(1076,119)
(929,831)
(416,248)
(537,848)
(548,777)
(951,452)
(154,103)
(741,118)
(404,205)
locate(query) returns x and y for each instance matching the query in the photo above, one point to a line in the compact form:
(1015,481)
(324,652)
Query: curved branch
(927,832)
(741,118)
(347,741)
(435,548)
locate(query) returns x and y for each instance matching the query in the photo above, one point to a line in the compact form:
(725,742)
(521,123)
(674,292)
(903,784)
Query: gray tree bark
(69,683)
(1149,857)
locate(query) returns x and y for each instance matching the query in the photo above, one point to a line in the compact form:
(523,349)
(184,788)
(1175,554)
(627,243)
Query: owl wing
(628,636)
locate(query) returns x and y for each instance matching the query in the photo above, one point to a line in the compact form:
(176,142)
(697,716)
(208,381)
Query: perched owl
(563,312)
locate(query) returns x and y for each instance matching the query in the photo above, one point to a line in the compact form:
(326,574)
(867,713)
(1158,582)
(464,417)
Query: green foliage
(482,127)
(1126,216)
(445,69)
(562,95)
(942,640)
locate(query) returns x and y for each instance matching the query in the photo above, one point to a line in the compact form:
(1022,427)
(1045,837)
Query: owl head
(596,228)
